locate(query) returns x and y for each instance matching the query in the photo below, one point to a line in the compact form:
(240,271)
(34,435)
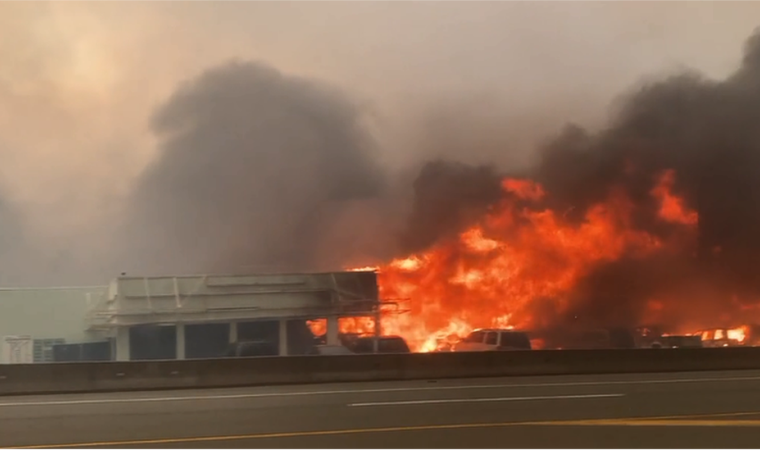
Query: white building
(190,316)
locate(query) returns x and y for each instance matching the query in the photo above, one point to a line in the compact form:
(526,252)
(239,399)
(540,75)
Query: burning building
(653,219)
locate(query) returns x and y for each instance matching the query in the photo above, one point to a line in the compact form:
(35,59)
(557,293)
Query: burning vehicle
(745,335)
(677,341)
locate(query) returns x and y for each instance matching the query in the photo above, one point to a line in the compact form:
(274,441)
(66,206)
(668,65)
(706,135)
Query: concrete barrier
(214,373)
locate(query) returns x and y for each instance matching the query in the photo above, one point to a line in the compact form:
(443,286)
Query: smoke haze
(255,171)
(130,144)
(704,130)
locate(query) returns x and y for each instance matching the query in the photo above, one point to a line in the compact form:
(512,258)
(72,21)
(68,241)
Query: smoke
(257,170)
(79,82)
(15,248)
(708,132)
(448,196)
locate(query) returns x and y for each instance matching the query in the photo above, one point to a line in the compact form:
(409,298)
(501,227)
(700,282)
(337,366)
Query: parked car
(601,338)
(386,344)
(678,342)
(331,350)
(346,339)
(493,340)
(719,337)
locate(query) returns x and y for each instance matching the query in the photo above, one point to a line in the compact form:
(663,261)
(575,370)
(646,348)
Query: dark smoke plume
(256,172)
(708,132)
(448,196)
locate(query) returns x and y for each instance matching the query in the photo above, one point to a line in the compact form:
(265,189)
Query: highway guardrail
(237,372)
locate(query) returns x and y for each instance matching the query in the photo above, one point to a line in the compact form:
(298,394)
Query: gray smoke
(261,171)
(708,132)
(448,197)
(15,248)
(257,170)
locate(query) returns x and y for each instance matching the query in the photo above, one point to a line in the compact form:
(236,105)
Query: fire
(525,189)
(738,334)
(672,208)
(516,256)
(365,269)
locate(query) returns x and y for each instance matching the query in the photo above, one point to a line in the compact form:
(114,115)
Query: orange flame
(525,189)
(516,255)
(672,208)
(738,334)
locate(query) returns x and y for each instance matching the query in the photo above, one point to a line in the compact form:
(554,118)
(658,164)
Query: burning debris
(654,219)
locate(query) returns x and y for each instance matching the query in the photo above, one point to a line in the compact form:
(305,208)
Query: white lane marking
(372,391)
(490,399)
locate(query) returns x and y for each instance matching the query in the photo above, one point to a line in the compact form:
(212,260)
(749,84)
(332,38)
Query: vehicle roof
(339,349)
(382,338)
(499,330)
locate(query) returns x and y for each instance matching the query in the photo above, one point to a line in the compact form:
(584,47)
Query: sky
(81,85)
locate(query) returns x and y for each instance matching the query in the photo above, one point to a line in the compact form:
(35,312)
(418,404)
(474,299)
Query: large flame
(517,254)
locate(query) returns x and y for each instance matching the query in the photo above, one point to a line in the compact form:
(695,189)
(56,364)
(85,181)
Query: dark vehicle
(346,339)
(386,344)
(357,343)
(514,340)
(647,335)
(329,350)
(604,338)
(91,351)
(678,342)
(245,349)
(621,338)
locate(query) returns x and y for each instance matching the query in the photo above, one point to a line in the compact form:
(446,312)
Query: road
(696,410)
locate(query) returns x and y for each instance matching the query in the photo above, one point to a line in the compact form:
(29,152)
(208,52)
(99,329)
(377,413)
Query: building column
(378,331)
(283,337)
(122,344)
(332,337)
(180,327)
(233,332)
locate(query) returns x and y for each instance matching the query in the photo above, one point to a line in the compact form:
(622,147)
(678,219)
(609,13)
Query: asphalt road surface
(695,410)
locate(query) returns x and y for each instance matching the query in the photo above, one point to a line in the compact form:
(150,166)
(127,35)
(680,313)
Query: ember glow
(672,208)
(517,255)
(738,334)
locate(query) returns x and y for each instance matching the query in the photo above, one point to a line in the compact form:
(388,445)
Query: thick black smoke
(448,196)
(256,172)
(708,132)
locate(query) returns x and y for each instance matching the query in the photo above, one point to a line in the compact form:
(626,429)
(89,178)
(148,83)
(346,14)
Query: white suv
(492,340)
